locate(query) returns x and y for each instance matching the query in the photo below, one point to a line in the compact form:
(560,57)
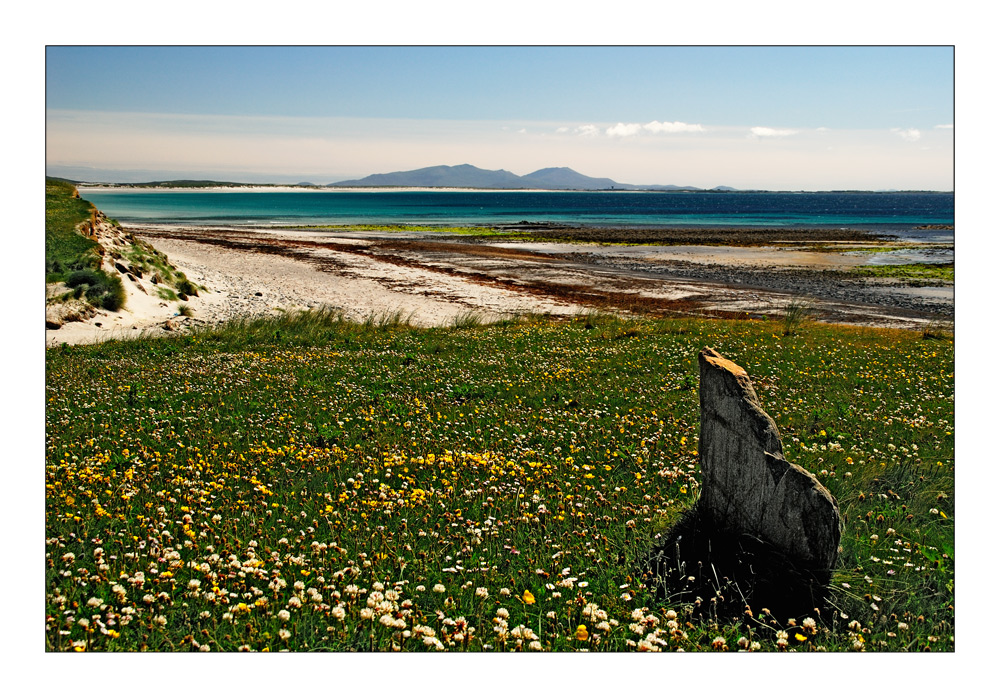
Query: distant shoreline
(355,190)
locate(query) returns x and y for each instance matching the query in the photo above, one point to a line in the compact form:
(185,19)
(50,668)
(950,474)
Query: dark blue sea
(870,210)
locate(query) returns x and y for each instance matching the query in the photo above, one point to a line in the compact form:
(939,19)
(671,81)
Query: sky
(777,117)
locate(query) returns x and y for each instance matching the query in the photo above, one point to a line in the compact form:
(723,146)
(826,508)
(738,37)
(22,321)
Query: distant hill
(565,178)
(441,176)
(469,176)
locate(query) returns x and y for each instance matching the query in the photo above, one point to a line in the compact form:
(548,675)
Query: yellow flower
(581,633)
(800,637)
(528,597)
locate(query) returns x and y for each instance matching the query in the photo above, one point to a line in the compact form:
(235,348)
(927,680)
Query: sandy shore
(434,279)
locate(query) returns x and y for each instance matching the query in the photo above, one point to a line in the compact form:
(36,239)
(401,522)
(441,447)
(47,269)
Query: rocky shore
(818,283)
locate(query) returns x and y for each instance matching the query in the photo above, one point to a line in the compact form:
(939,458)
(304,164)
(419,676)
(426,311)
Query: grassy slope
(65,248)
(233,466)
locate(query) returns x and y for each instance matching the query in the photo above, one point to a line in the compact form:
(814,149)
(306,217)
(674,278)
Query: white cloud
(562,129)
(672,127)
(587,130)
(767,132)
(908,134)
(623,130)
(945,126)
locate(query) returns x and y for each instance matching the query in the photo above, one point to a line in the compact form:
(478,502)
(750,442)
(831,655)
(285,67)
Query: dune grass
(66,250)
(311,483)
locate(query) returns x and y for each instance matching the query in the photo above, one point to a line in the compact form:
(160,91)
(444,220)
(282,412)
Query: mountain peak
(472,177)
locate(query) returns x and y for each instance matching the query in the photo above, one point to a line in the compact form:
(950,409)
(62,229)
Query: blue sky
(749,117)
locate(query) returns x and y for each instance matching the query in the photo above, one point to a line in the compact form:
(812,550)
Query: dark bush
(84,277)
(187,288)
(114,298)
(101,289)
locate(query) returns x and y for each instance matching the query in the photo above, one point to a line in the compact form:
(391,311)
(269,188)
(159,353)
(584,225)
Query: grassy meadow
(309,483)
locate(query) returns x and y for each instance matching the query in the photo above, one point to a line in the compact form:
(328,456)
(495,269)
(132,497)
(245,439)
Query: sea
(902,213)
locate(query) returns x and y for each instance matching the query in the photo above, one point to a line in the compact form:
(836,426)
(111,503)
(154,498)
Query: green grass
(306,482)
(906,272)
(66,250)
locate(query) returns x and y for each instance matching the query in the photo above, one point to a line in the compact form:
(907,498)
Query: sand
(247,283)
(434,279)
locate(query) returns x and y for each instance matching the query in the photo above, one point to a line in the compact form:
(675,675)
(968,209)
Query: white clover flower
(284,615)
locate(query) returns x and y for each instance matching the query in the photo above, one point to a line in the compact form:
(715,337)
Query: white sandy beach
(246,283)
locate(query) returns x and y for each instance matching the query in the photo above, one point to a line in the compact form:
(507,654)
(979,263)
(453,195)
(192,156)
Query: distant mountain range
(468,176)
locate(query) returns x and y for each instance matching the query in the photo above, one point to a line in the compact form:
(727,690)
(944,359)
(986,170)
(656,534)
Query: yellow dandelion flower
(800,637)
(528,597)
(581,633)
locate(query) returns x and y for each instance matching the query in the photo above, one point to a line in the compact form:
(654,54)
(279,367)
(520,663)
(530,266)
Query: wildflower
(439,588)
(284,634)
(284,615)
(581,633)
(719,643)
(482,592)
(528,597)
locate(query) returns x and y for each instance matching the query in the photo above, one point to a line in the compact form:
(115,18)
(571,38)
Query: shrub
(84,277)
(100,288)
(187,288)
(113,298)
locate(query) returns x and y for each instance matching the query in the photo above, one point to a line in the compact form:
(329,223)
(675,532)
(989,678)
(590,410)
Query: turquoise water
(890,211)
